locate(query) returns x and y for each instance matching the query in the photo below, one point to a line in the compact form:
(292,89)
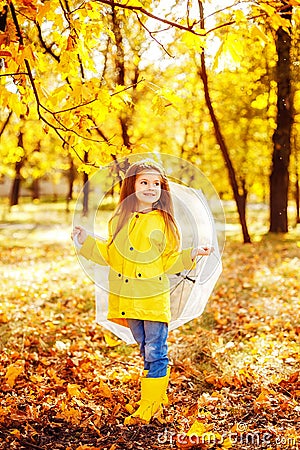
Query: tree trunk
(297,192)
(36,189)
(6,122)
(85,206)
(240,194)
(120,73)
(3,17)
(36,181)
(3,21)
(71,178)
(15,190)
(279,179)
(297,200)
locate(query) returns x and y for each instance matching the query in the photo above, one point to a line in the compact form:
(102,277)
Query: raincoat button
(126,281)
(131,248)
(139,274)
(159,278)
(119,275)
(137,216)
(123,314)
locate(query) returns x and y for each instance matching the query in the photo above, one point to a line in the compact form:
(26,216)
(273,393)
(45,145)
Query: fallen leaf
(111,342)
(73,390)
(13,371)
(104,390)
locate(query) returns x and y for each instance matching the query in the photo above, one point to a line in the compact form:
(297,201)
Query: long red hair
(128,202)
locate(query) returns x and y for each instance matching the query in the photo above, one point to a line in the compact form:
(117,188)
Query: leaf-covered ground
(64,384)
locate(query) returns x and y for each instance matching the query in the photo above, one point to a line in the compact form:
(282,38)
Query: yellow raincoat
(139,257)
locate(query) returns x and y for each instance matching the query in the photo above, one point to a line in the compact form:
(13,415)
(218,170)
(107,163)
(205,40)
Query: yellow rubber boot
(165,400)
(152,395)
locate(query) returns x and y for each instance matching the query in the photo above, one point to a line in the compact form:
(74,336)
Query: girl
(142,248)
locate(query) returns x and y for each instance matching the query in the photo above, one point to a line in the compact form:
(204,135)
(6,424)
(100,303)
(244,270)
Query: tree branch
(13,74)
(44,45)
(62,128)
(153,37)
(5,123)
(190,28)
(147,13)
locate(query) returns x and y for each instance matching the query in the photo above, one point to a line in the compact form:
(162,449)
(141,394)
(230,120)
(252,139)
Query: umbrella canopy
(200,221)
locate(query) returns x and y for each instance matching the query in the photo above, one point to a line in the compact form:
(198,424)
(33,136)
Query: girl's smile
(147,189)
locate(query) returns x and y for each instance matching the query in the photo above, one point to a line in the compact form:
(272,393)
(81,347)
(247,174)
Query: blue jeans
(152,338)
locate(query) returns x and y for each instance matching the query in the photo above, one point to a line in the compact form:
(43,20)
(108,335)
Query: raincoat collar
(146,213)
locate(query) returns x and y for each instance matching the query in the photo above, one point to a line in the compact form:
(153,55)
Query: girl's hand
(201,251)
(80,233)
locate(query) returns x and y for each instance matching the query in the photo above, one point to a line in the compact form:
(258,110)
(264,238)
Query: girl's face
(147,188)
